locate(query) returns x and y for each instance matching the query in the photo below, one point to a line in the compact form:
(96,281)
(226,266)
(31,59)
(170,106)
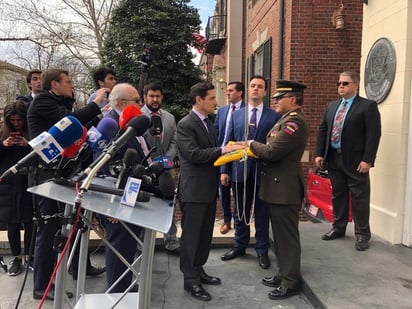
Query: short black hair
(100,74)
(199,90)
(260,77)
(239,87)
(154,86)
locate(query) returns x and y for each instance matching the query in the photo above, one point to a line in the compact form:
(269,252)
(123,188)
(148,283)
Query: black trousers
(349,185)
(13,233)
(197,231)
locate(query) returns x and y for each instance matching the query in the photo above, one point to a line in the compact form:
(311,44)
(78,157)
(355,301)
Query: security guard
(283,185)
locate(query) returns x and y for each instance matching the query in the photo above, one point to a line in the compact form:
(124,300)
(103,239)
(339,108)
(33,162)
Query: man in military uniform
(283,185)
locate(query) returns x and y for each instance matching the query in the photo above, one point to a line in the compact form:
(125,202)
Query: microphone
(129,160)
(151,150)
(137,126)
(157,127)
(166,185)
(142,197)
(71,150)
(127,114)
(100,137)
(49,145)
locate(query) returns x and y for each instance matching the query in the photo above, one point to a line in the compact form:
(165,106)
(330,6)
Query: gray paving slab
(241,287)
(341,277)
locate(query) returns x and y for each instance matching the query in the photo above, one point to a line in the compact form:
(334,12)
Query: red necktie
(337,125)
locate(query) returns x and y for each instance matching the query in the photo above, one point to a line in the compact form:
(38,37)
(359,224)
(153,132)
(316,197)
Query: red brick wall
(314,51)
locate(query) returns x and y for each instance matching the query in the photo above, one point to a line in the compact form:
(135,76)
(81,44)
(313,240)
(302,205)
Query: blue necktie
(252,124)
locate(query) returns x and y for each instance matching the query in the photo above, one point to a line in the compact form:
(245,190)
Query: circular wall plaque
(380,70)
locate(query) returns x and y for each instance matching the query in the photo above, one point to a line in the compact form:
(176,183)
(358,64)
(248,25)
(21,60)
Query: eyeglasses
(137,100)
(281,97)
(343,83)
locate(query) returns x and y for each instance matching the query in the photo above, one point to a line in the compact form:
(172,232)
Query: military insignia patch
(291,128)
(273,133)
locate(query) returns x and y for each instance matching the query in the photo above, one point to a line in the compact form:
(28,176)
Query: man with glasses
(121,96)
(282,185)
(348,140)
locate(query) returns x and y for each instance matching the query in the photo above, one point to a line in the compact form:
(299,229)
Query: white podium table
(155,215)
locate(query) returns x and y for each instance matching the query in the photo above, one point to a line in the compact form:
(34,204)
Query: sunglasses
(343,83)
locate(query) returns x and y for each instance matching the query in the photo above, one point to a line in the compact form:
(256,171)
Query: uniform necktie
(210,131)
(252,124)
(337,125)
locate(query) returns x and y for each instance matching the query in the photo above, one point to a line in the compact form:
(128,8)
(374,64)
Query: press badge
(131,191)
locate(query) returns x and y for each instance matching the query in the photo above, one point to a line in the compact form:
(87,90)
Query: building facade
(312,41)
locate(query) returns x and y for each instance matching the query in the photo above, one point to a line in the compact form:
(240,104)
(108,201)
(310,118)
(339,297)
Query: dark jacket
(360,136)
(48,108)
(15,202)
(198,177)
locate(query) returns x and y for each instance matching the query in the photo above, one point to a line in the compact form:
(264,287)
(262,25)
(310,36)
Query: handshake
(235,154)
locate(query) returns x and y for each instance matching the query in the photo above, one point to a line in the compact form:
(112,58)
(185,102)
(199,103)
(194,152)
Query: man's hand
(320,162)
(363,167)
(229,148)
(225,179)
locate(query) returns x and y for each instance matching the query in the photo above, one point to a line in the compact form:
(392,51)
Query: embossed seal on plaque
(380,70)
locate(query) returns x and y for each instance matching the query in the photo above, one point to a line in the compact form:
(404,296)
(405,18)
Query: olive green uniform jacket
(282,179)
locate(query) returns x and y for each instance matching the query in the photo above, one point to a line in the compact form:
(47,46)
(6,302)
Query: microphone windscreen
(155,167)
(138,171)
(166,185)
(140,124)
(70,151)
(130,157)
(157,127)
(127,114)
(66,131)
(107,127)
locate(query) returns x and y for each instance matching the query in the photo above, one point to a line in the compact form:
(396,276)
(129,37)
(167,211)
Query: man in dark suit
(234,93)
(121,96)
(283,185)
(51,105)
(348,140)
(261,119)
(198,186)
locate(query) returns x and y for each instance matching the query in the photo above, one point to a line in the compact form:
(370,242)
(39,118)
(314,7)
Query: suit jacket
(282,179)
(236,132)
(198,181)
(167,145)
(220,121)
(361,132)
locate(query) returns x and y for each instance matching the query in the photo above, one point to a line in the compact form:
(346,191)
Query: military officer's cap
(285,86)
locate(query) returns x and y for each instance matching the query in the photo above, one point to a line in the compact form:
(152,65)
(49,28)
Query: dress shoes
(198,292)
(224,228)
(282,292)
(175,252)
(233,253)
(272,282)
(332,234)
(206,279)
(90,272)
(50,294)
(361,244)
(264,261)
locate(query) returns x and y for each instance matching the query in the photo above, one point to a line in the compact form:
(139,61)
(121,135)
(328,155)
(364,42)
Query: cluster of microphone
(68,145)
